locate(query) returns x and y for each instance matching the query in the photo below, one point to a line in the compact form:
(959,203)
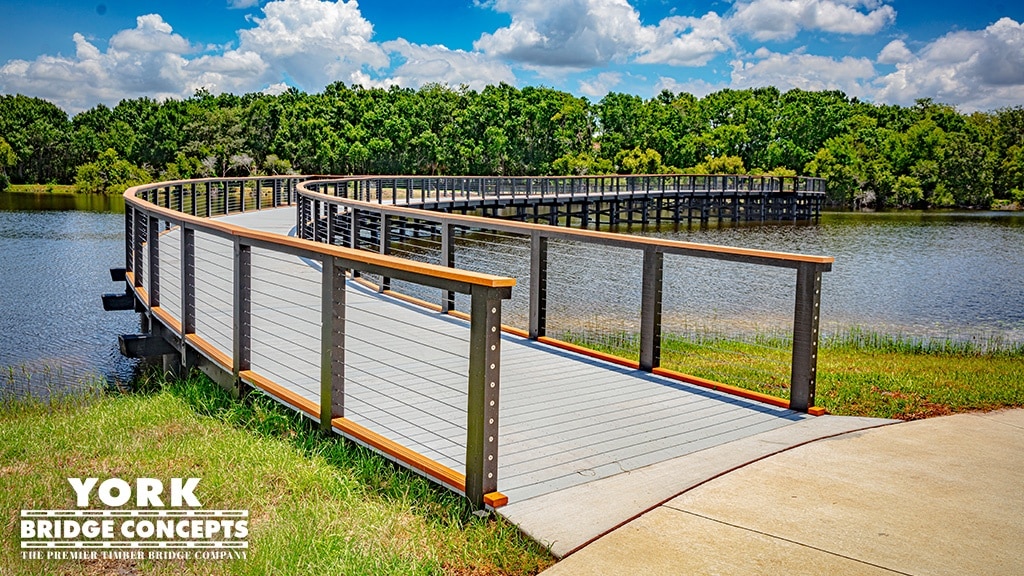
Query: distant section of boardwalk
(578,435)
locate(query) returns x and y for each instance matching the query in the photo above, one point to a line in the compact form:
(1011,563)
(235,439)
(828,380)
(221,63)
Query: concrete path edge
(570,519)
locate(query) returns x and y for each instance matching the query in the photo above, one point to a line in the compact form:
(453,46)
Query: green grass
(317,505)
(43,188)
(859,373)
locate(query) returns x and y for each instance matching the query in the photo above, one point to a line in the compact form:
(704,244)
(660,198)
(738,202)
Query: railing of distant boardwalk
(414,190)
(219,292)
(368,213)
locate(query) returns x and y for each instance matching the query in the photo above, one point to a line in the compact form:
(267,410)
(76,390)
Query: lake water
(956,275)
(946,275)
(54,263)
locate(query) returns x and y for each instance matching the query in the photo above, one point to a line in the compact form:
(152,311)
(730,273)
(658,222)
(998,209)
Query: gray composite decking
(565,419)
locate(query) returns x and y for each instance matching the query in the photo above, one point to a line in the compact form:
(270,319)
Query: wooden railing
(339,211)
(153,211)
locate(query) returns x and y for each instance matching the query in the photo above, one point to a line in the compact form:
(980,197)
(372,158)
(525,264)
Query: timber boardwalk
(505,417)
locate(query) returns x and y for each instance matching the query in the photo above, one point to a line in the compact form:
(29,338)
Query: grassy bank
(43,188)
(859,373)
(316,505)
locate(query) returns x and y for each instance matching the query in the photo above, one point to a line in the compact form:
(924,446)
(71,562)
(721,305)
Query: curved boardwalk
(585,444)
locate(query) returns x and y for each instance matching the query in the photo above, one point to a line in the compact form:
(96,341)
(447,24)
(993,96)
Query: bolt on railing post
(538,285)
(241,311)
(448,260)
(805,337)
(332,343)
(484,386)
(650,309)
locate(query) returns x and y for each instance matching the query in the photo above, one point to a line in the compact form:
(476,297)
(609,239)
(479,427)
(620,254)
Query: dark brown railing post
(332,209)
(138,239)
(153,272)
(129,238)
(242,311)
(332,343)
(188,291)
(538,285)
(484,387)
(650,309)
(805,337)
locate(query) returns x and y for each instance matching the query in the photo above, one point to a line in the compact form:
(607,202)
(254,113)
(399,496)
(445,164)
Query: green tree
(7,159)
(109,174)
(581,164)
(39,134)
(966,171)
(637,161)
(720,165)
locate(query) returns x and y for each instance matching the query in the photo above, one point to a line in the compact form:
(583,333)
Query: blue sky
(80,53)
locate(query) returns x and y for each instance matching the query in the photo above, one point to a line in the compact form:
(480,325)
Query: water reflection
(61,201)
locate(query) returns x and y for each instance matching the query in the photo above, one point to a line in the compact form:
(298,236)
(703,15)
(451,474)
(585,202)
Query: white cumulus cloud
(783,19)
(581,34)
(974,69)
(310,43)
(425,64)
(315,42)
(803,71)
(147,60)
(601,84)
(697,87)
(684,41)
(151,34)
(565,33)
(894,53)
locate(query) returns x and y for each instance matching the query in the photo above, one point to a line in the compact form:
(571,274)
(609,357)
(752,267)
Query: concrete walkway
(938,496)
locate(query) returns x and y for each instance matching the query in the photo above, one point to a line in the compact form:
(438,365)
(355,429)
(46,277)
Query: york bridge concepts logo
(162,525)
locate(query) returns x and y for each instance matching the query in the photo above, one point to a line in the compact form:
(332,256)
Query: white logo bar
(134,513)
(130,544)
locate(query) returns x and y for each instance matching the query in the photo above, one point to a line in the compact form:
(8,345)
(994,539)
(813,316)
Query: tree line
(925,155)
